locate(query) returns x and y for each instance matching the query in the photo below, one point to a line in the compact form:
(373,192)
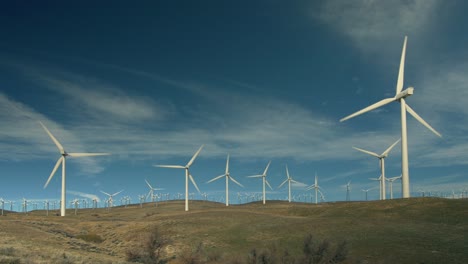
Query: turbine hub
(403,94)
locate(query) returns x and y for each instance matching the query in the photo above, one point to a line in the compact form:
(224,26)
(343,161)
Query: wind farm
(233,132)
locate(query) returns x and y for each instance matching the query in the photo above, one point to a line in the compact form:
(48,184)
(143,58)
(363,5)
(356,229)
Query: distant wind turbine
(61,160)
(366,191)
(288,180)
(110,200)
(151,191)
(263,176)
(316,187)
(400,97)
(381,158)
(348,189)
(187,175)
(391,180)
(228,177)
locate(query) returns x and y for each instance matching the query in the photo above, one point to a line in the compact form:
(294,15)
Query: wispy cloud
(85,195)
(22,138)
(368,23)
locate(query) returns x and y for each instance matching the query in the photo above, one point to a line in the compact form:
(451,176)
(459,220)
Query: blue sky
(151,81)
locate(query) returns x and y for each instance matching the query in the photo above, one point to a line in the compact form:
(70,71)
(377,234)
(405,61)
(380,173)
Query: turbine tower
(228,177)
(380,185)
(187,175)
(288,180)
(264,180)
(400,96)
(381,158)
(61,160)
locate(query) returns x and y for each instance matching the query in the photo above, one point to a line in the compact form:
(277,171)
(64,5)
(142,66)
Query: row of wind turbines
(400,96)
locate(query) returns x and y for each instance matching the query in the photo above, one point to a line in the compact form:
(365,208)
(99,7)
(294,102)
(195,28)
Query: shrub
(90,237)
(150,247)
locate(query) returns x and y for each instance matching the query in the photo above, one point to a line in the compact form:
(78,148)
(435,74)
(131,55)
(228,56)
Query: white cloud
(85,195)
(365,21)
(22,138)
(101,99)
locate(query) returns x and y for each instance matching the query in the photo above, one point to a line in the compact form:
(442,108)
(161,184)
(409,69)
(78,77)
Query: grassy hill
(416,230)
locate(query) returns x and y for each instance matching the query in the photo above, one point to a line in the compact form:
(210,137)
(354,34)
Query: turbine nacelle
(403,94)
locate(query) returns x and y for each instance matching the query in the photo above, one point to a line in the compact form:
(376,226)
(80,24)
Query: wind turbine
(348,189)
(366,191)
(151,191)
(264,180)
(381,158)
(391,180)
(228,177)
(110,200)
(187,175)
(61,160)
(400,97)
(3,205)
(288,180)
(316,187)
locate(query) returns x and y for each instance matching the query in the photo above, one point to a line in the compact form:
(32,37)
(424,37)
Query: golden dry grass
(422,230)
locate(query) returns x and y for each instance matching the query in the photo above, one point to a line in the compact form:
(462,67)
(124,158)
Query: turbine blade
(59,161)
(117,193)
(194,157)
(215,178)
(232,179)
(369,108)
(227,165)
(149,185)
(170,166)
(287,172)
(106,193)
(367,152)
(401,71)
(283,183)
(268,184)
(194,184)
(390,148)
(57,143)
(255,176)
(87,154)
(413,113)
(266,169)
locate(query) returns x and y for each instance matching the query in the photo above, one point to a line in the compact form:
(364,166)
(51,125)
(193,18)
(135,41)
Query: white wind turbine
(381,158)
(316,187)
(348,190)
(61,160)
(391,180)
(151,191)
(110,200)
(288,180)
(228,177)
(264,180)
(400,97)
(366,191)
(187,175)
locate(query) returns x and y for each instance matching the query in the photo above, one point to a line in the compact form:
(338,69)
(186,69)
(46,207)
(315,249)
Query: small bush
(10,261)
(150,248)
(8,251)
(90,237)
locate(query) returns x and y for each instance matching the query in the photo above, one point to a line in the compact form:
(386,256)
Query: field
(416,230)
